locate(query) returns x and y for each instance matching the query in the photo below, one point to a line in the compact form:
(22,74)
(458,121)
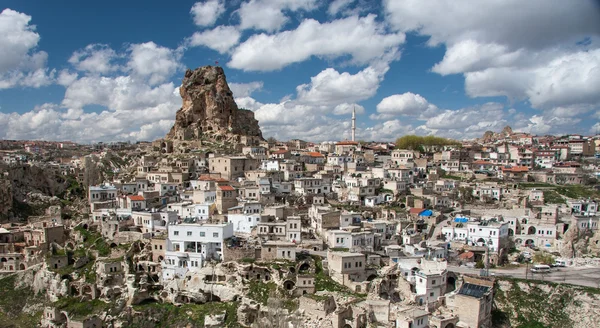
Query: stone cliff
(209,111)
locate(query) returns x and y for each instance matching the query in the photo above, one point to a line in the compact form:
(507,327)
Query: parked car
(559,263)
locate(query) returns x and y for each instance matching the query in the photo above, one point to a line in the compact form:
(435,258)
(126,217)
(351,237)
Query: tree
(414,142)
(271,140)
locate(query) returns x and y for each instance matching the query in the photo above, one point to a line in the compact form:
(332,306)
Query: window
(215,234)
(431,294)
(202,234)
(189,233)
(176,233)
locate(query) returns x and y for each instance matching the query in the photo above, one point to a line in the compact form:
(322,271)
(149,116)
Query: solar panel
(476,291)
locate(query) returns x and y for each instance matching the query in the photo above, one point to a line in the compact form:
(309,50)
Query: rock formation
(491,136)
(209,111)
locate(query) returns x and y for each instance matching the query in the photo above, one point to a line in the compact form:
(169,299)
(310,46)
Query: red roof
(278,152)
(227,188)
(347,143)
(466,255)
(481,162)
(314,154)
(515,169)
(136,197)
(416,210)
(206,177)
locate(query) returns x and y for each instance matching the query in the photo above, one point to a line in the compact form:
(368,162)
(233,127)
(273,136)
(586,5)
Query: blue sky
(107,71)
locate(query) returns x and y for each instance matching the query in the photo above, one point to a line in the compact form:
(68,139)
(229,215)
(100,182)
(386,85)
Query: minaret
(353,123)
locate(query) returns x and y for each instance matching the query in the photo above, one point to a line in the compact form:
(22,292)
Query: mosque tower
(353,123)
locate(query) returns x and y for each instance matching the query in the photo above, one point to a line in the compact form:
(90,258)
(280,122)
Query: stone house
(278,250)
(412,318)
(232,167)
(473,302)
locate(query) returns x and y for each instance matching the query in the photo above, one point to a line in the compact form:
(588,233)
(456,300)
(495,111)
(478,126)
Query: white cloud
(569,79)
(363,39)
(595,129)
(387,131)
(206,13)
(346,109)
(408,103)
(330,87)
(467,117)
(221,38)
(248,103)
(153,62)
(268,15)
(469,55)
(530,54)
(337,6)
(121,93)
(20,65)
(65,78)
(535,25)
(136,103)
(146,116)
(241,90)
(95,58)
(17,39)
(539,124)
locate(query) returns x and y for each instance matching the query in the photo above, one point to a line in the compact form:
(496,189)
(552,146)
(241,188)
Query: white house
(243,222)
(430,280)
(190,245)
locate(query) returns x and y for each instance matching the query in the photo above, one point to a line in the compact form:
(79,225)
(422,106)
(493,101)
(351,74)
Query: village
(342,234)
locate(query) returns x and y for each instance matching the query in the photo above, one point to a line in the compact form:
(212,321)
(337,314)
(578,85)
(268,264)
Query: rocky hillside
(30,189)
(209,111)
(530,304)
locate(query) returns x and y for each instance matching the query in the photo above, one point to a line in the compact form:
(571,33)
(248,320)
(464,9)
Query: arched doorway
(304,267)
(529,242)
(62,317)
(371,277)
(450,284)
(511,232)
(288,285)
(22,266)
(531,230)
(450,325)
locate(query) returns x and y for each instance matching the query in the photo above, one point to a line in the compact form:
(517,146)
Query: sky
(90,71)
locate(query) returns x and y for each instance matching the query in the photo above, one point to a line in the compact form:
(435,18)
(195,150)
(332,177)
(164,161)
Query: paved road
(583,276)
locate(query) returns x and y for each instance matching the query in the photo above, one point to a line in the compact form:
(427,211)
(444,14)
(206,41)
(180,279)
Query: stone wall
(238,253)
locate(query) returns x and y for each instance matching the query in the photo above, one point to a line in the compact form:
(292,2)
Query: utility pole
(487,258)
